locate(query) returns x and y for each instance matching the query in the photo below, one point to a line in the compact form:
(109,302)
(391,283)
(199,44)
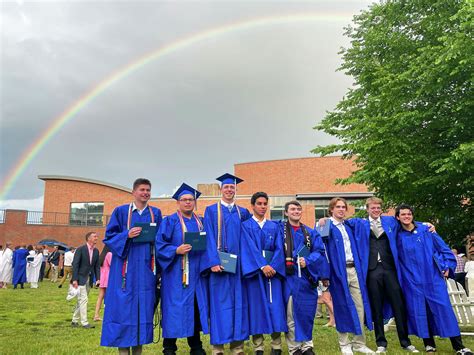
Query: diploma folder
(196,239)
(268,255)
(229,262)
(324,230)
(303,251)
(148,233)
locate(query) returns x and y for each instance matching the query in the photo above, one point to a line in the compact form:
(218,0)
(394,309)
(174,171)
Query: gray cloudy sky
(243,96)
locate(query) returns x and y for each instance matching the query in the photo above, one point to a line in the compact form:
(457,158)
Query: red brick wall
(296,176)
(16,230)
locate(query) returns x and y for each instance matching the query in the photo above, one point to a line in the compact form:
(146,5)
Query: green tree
(408,119)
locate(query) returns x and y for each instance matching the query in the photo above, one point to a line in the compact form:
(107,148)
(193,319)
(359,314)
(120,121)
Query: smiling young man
(263,268)
(348,290)
(183,290)
(130,297)
(227,297)
(425,262)
(305,265)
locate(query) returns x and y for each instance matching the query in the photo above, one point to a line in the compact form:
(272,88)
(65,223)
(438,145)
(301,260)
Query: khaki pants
(54,273)
(81,305)
(354,289)
(294,345)
(258,345)
(67,271)
(236,347)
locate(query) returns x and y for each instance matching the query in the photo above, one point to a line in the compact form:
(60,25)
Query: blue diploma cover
(148,233)
(268,255)
(198,240)
(324,230)
(303,252)
(229,262)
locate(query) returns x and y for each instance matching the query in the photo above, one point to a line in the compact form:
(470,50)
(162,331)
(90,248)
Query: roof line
(299,158)
(86,180)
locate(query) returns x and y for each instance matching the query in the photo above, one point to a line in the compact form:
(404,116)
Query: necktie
(376,227)
(230,208)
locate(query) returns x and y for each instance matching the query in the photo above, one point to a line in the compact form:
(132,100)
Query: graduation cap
(185,189)
(229,179)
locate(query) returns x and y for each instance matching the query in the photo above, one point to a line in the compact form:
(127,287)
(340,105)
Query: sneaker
(381,350)
(74,324)
(88,326)
(364,350)
(465,351)
(346,350)
(411,349)
(430,349)
(308,352)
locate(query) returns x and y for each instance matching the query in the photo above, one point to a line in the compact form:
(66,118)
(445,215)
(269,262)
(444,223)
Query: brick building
(74,205)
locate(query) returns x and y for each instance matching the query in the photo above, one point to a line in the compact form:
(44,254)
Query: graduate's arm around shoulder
(317,260)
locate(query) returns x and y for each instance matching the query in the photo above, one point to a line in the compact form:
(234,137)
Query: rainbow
(32,151)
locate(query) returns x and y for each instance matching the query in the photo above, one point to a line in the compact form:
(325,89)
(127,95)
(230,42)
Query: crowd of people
(236,275)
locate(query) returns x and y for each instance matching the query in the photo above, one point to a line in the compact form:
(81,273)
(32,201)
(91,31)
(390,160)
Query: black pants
(194,341)
(383,285)
(41,274)
(460,277)
(456,341)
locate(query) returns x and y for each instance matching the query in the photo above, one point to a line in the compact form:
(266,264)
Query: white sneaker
(466,351)
(430,349)
(346,350)
(381,350)
(364,349)
(411,349)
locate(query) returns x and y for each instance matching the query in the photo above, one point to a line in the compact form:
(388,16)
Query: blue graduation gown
(177,302)
(420,252)
(304,294)
(19,266)
(361,232)
(265,317)
(128,317)
(228,309)
(345,312)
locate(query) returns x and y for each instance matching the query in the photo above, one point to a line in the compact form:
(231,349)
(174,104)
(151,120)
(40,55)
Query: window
(276,213)
(87,213)
(320,212)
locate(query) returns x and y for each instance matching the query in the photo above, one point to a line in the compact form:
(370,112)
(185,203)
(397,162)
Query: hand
(268,271)
(217,268)
(75,284)
(302,262)
(322,222)
(97,283)
(134,232)
(446,273)
(432,228)
(183,249)
(325,283)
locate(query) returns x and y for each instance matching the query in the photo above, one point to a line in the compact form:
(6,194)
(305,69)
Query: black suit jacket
(82,268)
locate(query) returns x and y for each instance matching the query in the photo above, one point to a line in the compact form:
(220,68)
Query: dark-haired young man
(130,297)
(305,265)
(263,269)
(85,268)
(425,261)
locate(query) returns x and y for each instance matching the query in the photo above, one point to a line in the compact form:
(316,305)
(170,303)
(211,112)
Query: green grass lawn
(38,321)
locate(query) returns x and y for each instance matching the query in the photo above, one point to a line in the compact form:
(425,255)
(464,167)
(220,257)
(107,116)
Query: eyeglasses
(187,200)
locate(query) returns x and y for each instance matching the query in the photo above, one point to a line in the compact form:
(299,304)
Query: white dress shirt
(68,258)
(260,223)
(134,207)
(228,205)
(345,238)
